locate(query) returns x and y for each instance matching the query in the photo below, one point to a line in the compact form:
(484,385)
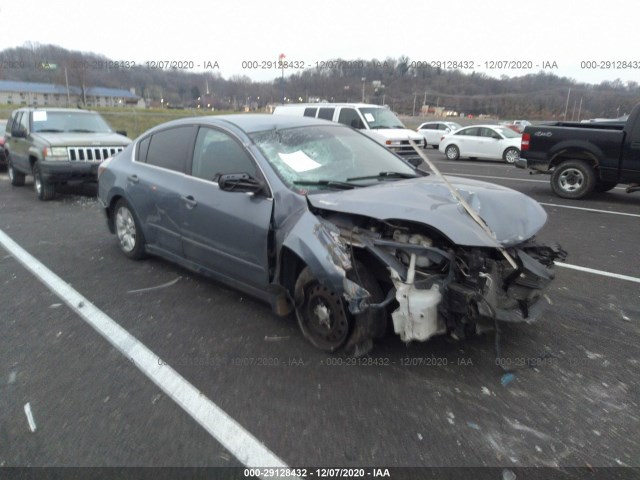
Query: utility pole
(363,80)
(580,109)
(66,80)
(415,96)
(566,107)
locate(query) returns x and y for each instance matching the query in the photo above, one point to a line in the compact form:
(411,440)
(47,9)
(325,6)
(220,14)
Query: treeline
(401,83)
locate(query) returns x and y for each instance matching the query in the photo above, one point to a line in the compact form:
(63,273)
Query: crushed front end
(439,287)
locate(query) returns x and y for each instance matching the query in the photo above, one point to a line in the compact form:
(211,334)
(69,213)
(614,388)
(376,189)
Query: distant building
(51,95)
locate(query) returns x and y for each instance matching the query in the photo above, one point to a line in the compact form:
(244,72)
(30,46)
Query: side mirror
(19,133)
(240,182)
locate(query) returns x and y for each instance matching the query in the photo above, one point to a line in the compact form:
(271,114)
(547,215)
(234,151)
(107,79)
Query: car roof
(484,125)
(251,122)
(333,105)
(56,109)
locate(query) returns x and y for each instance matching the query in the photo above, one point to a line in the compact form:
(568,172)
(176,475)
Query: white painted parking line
(590,209)
(471,164)
(29,414)
(507,178)
(494,177)
(241,443)
(598,272)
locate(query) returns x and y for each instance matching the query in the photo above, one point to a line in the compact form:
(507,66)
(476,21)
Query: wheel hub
(126,229)
(324,317)
(571,180)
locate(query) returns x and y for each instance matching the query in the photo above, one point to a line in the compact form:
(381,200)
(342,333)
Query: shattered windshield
(321,157)
(381,118)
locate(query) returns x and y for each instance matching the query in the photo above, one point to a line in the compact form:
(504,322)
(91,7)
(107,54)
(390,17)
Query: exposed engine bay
(435,287)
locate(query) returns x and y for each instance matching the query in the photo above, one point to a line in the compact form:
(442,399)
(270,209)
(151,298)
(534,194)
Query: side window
(471,132)
(10,122)
(487,132)
(143,148)
(217,153)
(20,123)
(326,113)
(310,112)
(350,117)
(442,126)
(171,148)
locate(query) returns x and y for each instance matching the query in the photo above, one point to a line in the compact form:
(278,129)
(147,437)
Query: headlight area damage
(362,274)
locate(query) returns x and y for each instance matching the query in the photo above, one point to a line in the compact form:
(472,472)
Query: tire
(573,179)
(452,152)
(602,187)
(45,191)
(325,320)
(511,154)
(128,231)
(16,178)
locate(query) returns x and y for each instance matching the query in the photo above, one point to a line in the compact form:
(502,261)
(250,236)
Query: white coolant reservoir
(416,318)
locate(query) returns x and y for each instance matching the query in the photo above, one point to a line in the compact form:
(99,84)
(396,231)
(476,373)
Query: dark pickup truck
(584,157)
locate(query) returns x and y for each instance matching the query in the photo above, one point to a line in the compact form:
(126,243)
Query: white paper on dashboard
(369,117)
(39,116)
(299,161)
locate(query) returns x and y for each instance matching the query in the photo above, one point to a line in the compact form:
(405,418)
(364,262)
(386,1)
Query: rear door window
(171,148)
(326,113)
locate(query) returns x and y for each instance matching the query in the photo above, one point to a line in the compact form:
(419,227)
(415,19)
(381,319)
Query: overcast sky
(566,32)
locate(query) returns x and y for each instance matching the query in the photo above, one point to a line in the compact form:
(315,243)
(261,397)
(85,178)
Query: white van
(377,122)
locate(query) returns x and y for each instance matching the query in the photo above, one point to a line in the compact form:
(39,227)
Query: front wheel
(452,152)
(573,179)
(325,320)
(16,178)
(130,237)
(511,155)
(45,191)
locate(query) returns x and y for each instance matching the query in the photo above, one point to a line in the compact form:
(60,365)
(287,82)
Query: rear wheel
(16,178)
(511,155)
(573,179)
(452,152)
(130,237)
(45,191)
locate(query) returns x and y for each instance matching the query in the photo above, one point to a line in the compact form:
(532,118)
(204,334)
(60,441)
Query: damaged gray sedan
(320,220)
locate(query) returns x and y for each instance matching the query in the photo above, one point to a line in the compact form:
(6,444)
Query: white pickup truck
(377,122)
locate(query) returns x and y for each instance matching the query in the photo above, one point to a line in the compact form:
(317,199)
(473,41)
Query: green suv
(58,146)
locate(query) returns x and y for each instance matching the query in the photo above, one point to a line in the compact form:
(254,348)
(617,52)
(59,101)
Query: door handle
(635,145)
(189,201)
(133,178)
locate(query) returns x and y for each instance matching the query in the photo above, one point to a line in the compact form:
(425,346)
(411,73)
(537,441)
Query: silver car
(318,219)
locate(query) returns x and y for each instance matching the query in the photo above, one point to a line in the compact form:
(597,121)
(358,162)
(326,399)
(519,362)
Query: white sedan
(482,141)
(433,131)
